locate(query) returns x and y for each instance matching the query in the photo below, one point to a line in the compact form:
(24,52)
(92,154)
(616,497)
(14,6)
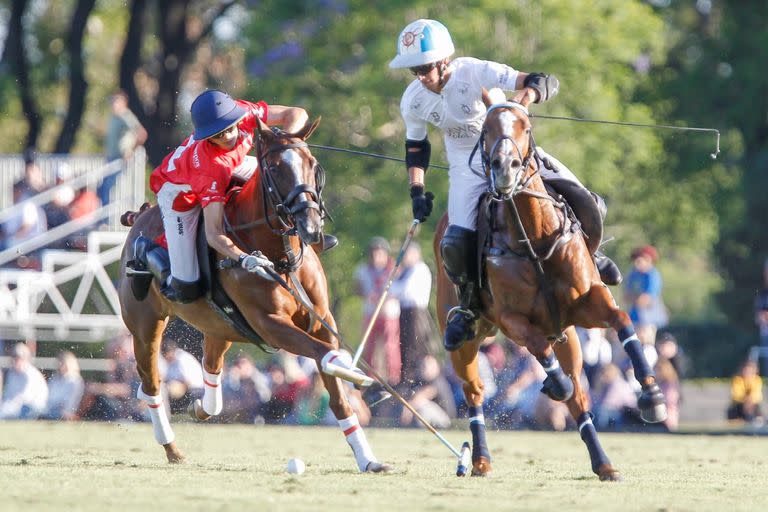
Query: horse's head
(292,180)
(507,144)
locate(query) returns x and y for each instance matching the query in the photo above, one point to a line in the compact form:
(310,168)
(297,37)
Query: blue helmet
(213,112)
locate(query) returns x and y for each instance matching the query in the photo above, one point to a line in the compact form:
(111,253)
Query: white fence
(72,298)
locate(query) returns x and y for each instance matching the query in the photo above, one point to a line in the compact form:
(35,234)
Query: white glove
(256,263)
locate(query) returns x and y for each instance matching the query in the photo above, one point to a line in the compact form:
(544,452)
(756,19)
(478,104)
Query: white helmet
(422,42)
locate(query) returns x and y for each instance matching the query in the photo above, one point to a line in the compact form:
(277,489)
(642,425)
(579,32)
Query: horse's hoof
(608,474)
(481,467)
(653,408)
(196,411)
(558,390)
(173,454)
(375,394)
(377,467)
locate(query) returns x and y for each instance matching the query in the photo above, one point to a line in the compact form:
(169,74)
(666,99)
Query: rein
(561,237)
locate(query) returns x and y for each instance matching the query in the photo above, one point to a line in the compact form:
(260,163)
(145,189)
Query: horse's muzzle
(309,225)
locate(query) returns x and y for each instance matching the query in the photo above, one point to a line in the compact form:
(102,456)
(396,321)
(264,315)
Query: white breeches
(465,187)
(181,233)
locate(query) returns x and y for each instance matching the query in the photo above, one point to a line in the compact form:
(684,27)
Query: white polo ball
(296,466)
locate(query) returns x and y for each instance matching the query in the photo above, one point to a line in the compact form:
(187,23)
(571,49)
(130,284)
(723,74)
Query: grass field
(97,467)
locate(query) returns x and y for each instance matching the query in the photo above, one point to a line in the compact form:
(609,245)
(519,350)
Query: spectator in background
(669,382)
(82,208)
(33,180)
(412,288)
(643,293)
(115,398)
(247,390)
(761,315)
(596,350)
(615,402)
(57,210)
(519,389)
(124,134)
(288,381)
(183,376)
(382,350)
(65,389)
(25,224)
(433,399)
(26,391)
(747,395)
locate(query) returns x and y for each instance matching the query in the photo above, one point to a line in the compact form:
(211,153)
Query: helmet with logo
(213,112)
(422,42)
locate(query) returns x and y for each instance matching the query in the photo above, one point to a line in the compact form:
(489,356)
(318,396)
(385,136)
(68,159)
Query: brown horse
(539,281)
(278,211)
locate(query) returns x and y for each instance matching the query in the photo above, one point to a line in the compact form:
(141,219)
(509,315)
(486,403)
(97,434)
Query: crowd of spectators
(288,389)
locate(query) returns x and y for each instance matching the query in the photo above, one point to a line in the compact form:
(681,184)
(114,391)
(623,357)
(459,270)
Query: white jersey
(459,112)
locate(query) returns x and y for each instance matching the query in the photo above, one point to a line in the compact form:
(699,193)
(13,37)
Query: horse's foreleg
(213,364)
(653,407)
(350,427)
(570,357)
(464,362)
(146,348)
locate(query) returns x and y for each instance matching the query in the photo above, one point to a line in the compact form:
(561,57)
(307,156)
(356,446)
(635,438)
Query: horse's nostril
(516,163)
(496,163)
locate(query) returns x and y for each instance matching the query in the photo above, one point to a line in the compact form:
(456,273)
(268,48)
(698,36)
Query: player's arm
(290,119)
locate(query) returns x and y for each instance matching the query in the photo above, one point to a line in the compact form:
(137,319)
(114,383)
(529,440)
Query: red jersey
(206,167)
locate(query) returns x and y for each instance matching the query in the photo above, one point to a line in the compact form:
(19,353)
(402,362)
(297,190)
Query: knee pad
(457,249)
(186,291)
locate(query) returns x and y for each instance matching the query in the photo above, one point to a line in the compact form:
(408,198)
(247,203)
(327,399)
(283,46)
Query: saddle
(214,294)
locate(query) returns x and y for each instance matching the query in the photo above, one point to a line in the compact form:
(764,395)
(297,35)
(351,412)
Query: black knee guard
(182,291)
(458,249)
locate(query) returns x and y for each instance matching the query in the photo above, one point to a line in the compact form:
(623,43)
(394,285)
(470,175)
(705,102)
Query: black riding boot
(609,271)
(150,256)
(458,249)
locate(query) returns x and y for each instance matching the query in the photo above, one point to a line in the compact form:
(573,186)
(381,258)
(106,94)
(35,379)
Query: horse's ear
(308,129)
(487,98)
(263,129)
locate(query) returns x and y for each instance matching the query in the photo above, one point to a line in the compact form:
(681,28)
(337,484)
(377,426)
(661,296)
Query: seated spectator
(747,395)
(287,381)
(596,350)
(615,402)
(669,382)
(82,207)
(65,389)
(25,224)
(183,376)
(312,405)
(519,389)
(115,398)
(25,392)
(246,391)
(433,399)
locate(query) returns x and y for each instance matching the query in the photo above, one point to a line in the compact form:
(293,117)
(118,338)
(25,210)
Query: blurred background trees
(696,62)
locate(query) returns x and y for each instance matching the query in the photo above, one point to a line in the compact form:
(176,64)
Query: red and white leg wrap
(160,423)
(356,439)
(213,401)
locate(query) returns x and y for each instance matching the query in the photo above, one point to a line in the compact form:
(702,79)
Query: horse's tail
(128,219)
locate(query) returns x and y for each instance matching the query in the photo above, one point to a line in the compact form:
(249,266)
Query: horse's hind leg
(147,334)
(569,355)
(653,407)
(466,367)
(213,364)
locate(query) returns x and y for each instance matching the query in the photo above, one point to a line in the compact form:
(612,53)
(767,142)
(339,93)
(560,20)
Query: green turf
(98,467)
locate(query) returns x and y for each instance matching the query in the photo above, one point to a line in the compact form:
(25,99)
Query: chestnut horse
(539,281)
(278,211)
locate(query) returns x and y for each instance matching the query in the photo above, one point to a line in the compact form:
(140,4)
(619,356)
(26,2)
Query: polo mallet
(279,280)
(408,237)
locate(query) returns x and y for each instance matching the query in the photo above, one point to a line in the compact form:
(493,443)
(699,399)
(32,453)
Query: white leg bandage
(213,401)
(356,439)
(160,423)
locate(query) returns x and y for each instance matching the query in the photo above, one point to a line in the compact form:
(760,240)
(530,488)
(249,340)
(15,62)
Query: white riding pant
(465,187)
(181,226)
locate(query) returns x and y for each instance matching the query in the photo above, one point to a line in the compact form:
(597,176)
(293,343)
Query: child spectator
(747,395)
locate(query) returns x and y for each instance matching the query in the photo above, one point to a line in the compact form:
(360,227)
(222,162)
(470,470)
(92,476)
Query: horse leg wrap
(557,386)
(477,426)
(356,439)
(160,423)
(589,435)
(634,350)
(213,402)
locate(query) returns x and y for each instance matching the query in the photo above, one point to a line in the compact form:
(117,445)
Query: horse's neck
(247,207)
(538,216)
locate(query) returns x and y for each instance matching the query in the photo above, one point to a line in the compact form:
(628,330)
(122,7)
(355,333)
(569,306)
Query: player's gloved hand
(421,202)
(257,263)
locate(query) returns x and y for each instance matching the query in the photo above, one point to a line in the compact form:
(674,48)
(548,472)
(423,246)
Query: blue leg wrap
(634,350)
(589,435)
(557,386)
(477,426)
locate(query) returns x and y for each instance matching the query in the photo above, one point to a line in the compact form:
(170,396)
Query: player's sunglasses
(422,70)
